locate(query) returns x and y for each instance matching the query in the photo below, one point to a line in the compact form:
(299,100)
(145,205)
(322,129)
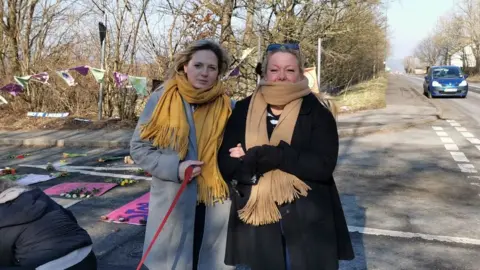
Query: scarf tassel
(165,135)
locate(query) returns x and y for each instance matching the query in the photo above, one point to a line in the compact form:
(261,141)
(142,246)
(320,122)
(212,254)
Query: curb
(39,142)
(439,112)
(342,133)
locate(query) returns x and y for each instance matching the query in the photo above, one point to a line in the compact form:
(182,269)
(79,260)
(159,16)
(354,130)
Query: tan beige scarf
(275,187)
(168,128)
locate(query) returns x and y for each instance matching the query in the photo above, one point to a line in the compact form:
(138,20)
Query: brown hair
(182,58)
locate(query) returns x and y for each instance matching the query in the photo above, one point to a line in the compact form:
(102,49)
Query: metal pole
(102,58)
(319,62)
(259,50)
(385,40)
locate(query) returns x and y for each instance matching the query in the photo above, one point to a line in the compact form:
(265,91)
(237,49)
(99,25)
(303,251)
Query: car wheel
(464,96)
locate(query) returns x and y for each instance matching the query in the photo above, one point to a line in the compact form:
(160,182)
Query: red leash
(187,179)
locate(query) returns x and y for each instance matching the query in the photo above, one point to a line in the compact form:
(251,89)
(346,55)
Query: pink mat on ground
(132,212)
(67,187)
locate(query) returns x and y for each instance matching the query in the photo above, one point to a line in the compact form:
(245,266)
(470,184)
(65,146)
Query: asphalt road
(418,210)
(407,202)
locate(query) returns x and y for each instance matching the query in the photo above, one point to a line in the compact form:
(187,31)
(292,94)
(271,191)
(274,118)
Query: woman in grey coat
(182,125)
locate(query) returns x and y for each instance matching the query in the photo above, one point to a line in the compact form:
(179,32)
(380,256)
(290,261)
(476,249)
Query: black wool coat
(34,230)
(314,227)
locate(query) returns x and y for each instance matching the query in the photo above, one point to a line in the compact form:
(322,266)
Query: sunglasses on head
(290,46)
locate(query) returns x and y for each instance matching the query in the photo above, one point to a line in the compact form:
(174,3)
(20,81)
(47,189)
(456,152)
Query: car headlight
(463,83)
(436,84)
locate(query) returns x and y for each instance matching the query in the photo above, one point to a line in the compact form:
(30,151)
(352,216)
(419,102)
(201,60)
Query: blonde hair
(296,53)
(327,101)
(182,58)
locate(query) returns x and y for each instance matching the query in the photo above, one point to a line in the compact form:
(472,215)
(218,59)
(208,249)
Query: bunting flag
(236,68)
(66,77)
(12,88)
(41,77)
(311,75)
(245,53)
(3,100)
(235,72)
(99,74)
(83,70)
(140,84)
(120,79)
(23,80)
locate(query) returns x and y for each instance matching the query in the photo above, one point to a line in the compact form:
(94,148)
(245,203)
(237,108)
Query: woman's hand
(237,152)
(197,169)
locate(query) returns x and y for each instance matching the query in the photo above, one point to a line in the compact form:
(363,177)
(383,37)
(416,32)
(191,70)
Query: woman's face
(283,67)
(202,69)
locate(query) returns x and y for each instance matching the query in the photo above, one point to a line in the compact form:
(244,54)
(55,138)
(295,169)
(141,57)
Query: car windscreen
(446,72)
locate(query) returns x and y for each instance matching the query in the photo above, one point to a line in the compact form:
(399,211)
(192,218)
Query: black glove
(247,174)
(268,158)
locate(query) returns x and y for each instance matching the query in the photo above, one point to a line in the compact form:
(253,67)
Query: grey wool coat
(173,249)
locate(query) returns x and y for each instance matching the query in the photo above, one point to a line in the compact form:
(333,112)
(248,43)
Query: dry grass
(363,96)
(474,78)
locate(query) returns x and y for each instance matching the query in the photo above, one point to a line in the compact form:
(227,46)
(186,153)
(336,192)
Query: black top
(34,230)
(314,226)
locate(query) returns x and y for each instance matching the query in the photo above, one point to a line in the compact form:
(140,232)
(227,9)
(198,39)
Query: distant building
(464,58)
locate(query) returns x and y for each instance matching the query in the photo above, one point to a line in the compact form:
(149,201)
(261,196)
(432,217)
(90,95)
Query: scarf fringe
(262,206)
(210,192)
(165,135)
(259,212)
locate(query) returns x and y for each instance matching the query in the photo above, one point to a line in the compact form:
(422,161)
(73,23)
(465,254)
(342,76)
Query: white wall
(457,58)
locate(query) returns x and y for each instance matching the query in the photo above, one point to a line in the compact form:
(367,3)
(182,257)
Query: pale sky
(412,20)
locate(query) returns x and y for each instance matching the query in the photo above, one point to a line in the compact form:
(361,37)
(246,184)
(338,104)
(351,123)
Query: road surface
(411,198)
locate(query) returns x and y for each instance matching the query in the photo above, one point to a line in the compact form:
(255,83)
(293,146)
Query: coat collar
(308,103)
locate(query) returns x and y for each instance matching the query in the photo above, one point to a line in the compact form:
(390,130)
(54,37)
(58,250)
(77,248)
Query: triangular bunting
(22,80)
(66,77)
(99,74)
(140,84)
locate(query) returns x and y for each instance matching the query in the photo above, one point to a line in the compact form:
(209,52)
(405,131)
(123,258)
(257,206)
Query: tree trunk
(12,33)
(226,32)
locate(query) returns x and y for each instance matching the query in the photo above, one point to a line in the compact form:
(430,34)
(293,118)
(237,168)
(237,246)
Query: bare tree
(470,14)
(429,50)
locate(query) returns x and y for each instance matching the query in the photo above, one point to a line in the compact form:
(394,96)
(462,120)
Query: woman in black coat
(38,233)
(279,152)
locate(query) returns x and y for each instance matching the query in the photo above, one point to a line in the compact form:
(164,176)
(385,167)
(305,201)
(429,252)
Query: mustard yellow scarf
(168,128)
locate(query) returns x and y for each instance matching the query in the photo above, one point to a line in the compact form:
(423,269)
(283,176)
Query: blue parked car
(445,81)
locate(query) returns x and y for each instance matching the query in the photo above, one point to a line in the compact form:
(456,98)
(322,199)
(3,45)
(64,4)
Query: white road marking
(475,184)
(113,175)
(459,156)
(467,135)
(437,128)
(478,147)
(451,147)
(121,168)
(461,129)
(410,235)
(442,134)
(455,125)
(467,168)
(446,140)
(474,176)
(474,140)
(451,121)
